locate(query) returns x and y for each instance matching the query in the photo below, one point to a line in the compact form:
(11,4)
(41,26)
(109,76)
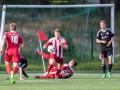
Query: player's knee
(52,61)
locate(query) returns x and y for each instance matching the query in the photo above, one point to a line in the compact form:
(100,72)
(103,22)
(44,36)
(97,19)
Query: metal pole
(2,26)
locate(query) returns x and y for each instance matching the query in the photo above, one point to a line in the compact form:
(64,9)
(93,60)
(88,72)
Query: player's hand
(60,44)
(108,44)
(103,41)
(1,52)
(56,76)
(44,46)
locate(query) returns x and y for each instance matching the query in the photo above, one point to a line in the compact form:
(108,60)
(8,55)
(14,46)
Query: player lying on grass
(66,70)
(22,65)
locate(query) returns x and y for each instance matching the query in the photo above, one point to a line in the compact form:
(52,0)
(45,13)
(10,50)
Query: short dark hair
(75,62)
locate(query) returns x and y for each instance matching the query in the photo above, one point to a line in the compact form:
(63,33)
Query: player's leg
(104,68)
(7,59)
(42,77)
(24,65)
(46,56)
(109,63)
(20,69)
(52,62)
(59,64)
(103,57)
(50,65)
(15,60)
(15,69)
(8,67)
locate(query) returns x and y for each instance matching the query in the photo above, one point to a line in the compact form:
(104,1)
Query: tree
(105,11)
(2,2)
(45,2)
(33,11)
(117,5)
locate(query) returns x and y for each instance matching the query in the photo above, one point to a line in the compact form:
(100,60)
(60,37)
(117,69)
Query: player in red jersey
(59,44)
(13,44)
(66,70)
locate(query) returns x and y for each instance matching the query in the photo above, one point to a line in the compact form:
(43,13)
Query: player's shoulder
(108,29)
(65,64)
(52,38)
(99,31)
(62,37)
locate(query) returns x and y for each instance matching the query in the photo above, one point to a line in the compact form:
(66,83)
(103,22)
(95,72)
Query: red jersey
(13,39)
(66,71)
(58,48)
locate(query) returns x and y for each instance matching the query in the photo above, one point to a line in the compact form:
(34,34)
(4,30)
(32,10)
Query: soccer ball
(51,48)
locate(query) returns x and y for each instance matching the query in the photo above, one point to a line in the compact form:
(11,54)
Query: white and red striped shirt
(58,49)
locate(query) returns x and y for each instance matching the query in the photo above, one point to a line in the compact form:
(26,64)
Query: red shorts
(12,55)
(57,59)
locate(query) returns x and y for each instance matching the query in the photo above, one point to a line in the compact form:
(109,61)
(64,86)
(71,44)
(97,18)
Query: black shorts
(105,53)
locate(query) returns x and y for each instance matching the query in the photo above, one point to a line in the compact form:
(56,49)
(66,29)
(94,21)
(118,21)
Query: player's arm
(65,46)
(3,43)
(112,39)
(21,46)
(46,45)
(100,41)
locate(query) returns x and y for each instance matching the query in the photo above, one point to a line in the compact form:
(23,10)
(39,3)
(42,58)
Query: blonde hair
(57,30)
(13,26)
(103,21)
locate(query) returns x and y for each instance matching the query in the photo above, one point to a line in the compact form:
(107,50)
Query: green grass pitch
(79,81)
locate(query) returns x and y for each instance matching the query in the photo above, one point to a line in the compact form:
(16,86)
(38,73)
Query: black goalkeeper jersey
(105,35)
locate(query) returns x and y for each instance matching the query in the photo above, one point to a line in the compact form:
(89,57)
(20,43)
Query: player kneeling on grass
(22,65)
(66,70)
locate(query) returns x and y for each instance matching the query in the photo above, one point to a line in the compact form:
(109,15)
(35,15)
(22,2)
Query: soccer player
(14,43)
(59,44)
(22,65)
(66,71)
(105,38)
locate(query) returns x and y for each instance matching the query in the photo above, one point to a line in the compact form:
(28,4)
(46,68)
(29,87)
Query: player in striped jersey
(66,70)
(59,44)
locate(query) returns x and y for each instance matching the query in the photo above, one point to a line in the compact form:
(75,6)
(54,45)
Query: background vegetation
(72,23)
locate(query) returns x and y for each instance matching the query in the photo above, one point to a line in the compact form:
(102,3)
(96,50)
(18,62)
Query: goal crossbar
(60,6)
(53,6)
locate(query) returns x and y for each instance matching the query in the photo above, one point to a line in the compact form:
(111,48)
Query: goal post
(67,12)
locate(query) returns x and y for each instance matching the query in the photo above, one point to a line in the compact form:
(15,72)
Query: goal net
(78,24)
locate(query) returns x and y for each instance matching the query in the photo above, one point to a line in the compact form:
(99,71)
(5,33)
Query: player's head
(103,24)
(57,33)
(12,26)
(73,63)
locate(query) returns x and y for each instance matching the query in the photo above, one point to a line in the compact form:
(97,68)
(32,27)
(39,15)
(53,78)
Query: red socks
(44,55)
(15,69)
(8,69)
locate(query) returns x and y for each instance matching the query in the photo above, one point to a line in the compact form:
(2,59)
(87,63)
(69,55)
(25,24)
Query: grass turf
(79,81)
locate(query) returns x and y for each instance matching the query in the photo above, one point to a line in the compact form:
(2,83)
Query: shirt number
(14,39)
